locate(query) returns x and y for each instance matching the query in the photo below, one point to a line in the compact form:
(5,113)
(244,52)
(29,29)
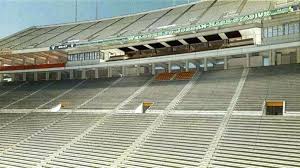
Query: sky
(16,15)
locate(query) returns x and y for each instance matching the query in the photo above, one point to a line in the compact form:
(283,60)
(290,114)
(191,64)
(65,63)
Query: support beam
(124,71)
(134,49)
(109,72)
(186,65)
(47,76)
(153,69)
(202,39)
(278,58)
(165,44)
(148,46)
(96,73)
(272,57)
(205,64)
(247,60)
(24,76)
(298,55)
(58,75)
(183,42)
(169,66)
(71,74)
(138,70)
(13,77)
(223,36)
(83,74)
(35,76)
(225,62)
(1,77)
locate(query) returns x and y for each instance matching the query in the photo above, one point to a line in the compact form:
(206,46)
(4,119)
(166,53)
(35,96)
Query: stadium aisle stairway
(79,95)
(35,149)
(268,141)
(272,83)
(181,141)
(212,92)
(161,93)
(20,92)
(45,95)
(117,93)
(24,127)
(104,143)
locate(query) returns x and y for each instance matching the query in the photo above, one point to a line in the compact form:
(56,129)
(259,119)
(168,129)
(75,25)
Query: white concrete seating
(161,93)
(105,143)
(271,83)
(268,141)
(20,92)
(213,91)
(81,94)
(32,35)
(116,94)
(253,6)
(181,141)
(32,151)
(7,87)
(45,95)
(24,127)
(217,11)
(16,36)
(6,118)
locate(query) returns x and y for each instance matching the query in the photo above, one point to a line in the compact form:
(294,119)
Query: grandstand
(212,84)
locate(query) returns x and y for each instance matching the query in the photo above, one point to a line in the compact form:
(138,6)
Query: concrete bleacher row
(271,83)
(180,141)
(201,12)
(211,92)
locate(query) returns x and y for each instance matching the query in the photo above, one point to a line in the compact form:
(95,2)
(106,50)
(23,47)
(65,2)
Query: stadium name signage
(61,47)
(192,28)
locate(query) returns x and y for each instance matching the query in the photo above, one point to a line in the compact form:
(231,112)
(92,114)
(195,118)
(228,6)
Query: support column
(138,70)
(83,74)
(13,77)
(278,58)
(298,55)
(205,64)
(124,71)
(24,76)
(35,76)
(186,65)
(58,75)
(225,62)
(272,57)
(71,74)
(109,72)
(153,69)
(96,73)
(247,60)
(170,67)
(47,76)
(1,77)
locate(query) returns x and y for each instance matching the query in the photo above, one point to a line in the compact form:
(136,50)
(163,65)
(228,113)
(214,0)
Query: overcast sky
(16,15)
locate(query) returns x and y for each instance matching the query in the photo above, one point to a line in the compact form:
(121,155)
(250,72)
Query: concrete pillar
(71,74)
(138,70)
(279,58)
(96,73)
(248,60)
(83,74)
(13,77)
(186,65)
(153,69)
(24,76)
(272,57)
(170,67)
(205,64)
(58,75)
(1,77)
(124,71)
(35,61)
(35,76)
(225,62)
(47,76)
(298,55)
(109,72)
